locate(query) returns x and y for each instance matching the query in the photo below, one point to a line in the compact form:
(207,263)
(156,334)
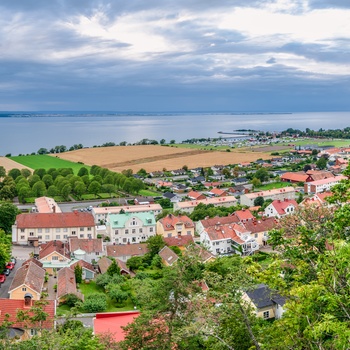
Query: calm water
(27,132)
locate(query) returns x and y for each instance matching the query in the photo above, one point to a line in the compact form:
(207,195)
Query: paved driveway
(4,287)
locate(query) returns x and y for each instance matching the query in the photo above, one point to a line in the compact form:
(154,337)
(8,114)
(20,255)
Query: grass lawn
(149,193)
(272,186)
(327,142)
(47,162)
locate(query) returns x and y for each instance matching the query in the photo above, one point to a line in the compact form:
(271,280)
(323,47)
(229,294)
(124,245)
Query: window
(47,237)
(54,258)
(126,231)
(33,332)
(58,236)
(74,233)
(40,237)
(97,253)
(58,230)
(31,233)
(151,229)
(124,240)
(24,289)
(116,232)
(218,250)
(133,231)
(133,222)
(22,229)
(189,233)
(169,234)
(40,230)
(81,235)
(22,237)
(65,229)
(133,239)
(89,228)
(47,230)
(266,314)
(140,230)
(256,235)
(81,228)
(64,236)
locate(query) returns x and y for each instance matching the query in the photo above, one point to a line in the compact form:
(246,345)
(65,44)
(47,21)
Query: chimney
(54,209)
(54,243)
(71,279)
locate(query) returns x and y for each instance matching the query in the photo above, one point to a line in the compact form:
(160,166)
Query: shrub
(96,302)
(71,300)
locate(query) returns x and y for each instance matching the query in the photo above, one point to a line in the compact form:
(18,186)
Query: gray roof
(262,296)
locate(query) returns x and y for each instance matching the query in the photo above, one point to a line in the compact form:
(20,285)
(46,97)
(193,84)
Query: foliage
(113,269)
(259,201)
(71,300)
(8,213)
(78,272)
(96,302)
(155,244)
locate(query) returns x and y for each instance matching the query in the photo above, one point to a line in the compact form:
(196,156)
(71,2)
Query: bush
(96,302)
(71,300)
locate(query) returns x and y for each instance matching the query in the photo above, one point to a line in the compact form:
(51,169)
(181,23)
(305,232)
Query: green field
(272,186)
(47,162)
(327,142)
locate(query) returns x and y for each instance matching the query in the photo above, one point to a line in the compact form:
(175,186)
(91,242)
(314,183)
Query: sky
(183,55)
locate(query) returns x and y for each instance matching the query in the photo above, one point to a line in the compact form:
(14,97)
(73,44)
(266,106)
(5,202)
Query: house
(34,228)
(178,172)
(161,183)
(28,280)
(244,215)
(179,188)
(196,180)
(127,251)
(66,283)
(217,192)
(156,174)
(240,181)
(104,263)
(266,303)
(259,229)
(280,193)
(113,323)
(88,271)
(193,195)
(46,205)
(189,206)
(144,200)
(26,329)
(86,249)
(179,241)
(130,228)
(323,185)
(168,256)
(172,226)
(208,222)
(296,177)
(228,239)
(279,208)
(172,197)
(100,213)
(317,200)
(54,255)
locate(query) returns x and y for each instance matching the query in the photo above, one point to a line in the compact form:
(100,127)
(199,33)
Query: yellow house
(29,280)
(265,303)
(54,255)
(173,226)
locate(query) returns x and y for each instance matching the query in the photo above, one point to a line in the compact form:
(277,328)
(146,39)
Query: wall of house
(21,235)
(18,293)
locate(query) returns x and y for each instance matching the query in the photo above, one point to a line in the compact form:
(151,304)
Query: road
(4,287)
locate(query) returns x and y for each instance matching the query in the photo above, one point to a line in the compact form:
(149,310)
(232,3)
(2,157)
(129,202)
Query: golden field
(9,164)
(153,157)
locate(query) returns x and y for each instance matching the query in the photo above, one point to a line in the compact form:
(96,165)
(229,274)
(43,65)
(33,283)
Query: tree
(14,173)
(8,213)
(25,173)
(162,141)
(40,172)
(115,292)
(259,201)
(7,192)
(78,272)
(79,188)
(48,180)
(43,151)
(52,191)
(96,302)
(321,163)
(113,269)
(5,248)
(39,189)
(155,244)
(262,174)
(256,182)
(2,171)
(94,187)
(83,171)
(66,191)
(172,142)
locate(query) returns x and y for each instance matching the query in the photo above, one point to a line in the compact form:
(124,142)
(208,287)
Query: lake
(27,132)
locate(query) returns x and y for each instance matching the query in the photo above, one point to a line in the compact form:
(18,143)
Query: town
(103,242)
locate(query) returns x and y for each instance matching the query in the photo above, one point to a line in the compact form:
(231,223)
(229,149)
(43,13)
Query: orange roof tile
(137,249)
(55,220)
(169,222)
(179,241)
(86,244)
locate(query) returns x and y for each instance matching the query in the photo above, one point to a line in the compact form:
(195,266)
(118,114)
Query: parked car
(2,278)
(6,272)
(10,266)
(13,260)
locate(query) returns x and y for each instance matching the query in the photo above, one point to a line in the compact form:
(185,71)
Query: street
(4,287)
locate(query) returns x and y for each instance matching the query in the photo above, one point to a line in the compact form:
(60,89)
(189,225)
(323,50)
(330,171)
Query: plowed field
(9,164)
(153,158)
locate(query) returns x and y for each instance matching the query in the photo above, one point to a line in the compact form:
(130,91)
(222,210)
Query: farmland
(9,164)
(153,157)
(45,162)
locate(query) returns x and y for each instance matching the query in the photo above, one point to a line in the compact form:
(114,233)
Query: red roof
(195,195)
(86,244)
(220,232)
(295,177)
(137,249)
(244,214)
(218,192)
(179,241)
(281,206)
(53,246)
(112,322)
(263,225)
(169,222)
(55,220)
(66,282)
(220,220)
(12,306)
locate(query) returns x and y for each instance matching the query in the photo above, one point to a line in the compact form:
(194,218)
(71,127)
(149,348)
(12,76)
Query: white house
(280,208)
(280,193)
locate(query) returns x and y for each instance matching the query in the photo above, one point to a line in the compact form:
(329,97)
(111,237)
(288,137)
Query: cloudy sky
(175,55)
